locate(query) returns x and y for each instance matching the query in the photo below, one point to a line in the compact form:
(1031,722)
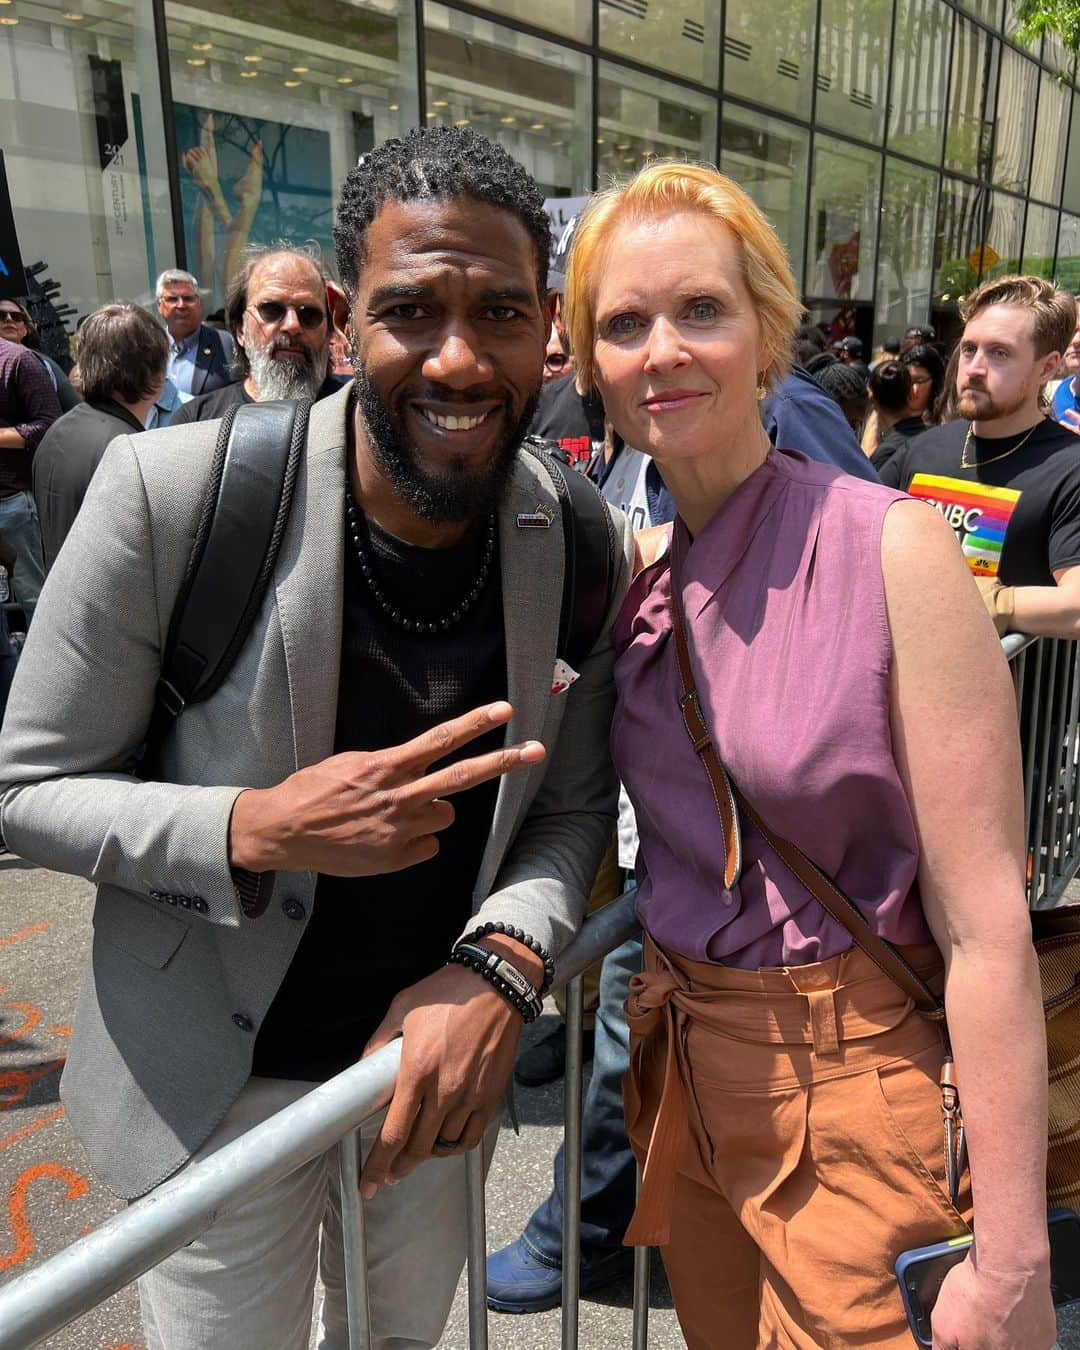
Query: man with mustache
(276,312)
(1005,475)
(384,804)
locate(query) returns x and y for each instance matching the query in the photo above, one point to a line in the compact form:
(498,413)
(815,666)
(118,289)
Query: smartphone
(922,1272)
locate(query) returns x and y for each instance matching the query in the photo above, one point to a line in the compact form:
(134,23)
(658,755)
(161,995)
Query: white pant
(248,1282)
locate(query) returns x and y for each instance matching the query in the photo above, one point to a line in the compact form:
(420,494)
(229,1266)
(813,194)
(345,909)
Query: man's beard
(294,376)
(977,405)
(459,492)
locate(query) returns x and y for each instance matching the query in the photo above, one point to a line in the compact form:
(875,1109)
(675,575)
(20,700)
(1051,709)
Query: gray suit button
(294,909)
(171,899)
(185,901)
(200,904)
(243,1022)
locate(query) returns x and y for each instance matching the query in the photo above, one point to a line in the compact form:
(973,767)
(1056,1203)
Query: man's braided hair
(436,163)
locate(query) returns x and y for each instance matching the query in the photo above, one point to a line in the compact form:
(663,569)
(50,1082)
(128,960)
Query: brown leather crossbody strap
(729,801)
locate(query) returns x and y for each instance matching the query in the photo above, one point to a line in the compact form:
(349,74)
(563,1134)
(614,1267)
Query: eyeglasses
(273,311)
(11,316)
(173,300)
(555,360)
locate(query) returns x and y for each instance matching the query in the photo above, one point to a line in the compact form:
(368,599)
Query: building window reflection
(843,221)
(771,64)
(680,36)
(640,118)
(531,95)
(1004,232)
(1040,238)
(853,63)
(920,78)
(970,125)
(1067,271)
(1016,102)
(958,252)
(906,250)
(271,109)
(769,158)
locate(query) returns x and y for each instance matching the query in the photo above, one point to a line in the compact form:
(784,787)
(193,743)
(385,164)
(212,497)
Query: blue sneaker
(519,1282)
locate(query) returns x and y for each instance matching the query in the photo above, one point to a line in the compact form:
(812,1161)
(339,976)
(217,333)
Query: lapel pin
(206,351)
(540,519)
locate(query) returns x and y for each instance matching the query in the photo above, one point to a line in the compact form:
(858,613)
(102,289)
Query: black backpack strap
(243,519)
(589,536)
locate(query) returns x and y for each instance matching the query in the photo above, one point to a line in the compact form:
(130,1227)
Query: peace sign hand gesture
(360,814)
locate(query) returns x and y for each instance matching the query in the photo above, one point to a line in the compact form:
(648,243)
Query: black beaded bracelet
(477,960)
(509,930)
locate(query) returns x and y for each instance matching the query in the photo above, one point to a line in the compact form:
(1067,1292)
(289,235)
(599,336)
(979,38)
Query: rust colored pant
(789,1126)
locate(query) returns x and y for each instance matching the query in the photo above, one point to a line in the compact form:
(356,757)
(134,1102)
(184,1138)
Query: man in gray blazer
(388,764)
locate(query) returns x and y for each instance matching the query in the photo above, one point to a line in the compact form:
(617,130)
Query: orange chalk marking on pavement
(20,1225)
(24,933)
(61,1030)
(32,1015)
(16,1083)
(6,1140)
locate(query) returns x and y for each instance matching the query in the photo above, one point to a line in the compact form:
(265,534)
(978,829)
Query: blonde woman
(784,1095)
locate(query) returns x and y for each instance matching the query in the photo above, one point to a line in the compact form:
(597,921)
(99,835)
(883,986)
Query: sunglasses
(273,311)
(11,316)
(555,360)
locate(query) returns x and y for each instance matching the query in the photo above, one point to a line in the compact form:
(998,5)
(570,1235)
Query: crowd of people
(388,816)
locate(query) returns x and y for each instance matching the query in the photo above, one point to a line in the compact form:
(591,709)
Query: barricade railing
(48,1297)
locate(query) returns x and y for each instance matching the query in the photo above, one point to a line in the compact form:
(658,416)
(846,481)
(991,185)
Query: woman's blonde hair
(664,188)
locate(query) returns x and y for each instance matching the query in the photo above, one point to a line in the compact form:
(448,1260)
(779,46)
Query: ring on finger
(442,1142)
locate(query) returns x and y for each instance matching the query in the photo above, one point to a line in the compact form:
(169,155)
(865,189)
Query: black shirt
(205,407)
(564,415)
(370,937)
(895,439)
(65,461)
(1017,516)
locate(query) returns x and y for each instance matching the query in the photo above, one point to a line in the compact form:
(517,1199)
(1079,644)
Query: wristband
(503,977)
(508,930)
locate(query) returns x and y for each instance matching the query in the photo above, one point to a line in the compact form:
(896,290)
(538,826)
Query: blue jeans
(608,1173)
(19,530)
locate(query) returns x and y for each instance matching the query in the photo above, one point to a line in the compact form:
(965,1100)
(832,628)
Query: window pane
(959,233)
(272,106)
(682,36)
(987,10)
(1068,254)
(640,117)
(84,142)
(769,158)
(853,61)
(529,94)
(1071,197)
(905,269)
(971,101)
(843,221)
(771,63)
(1040,236)
(1047,169)
(1004,228)
(571,17)
(920,78)
(1017,95)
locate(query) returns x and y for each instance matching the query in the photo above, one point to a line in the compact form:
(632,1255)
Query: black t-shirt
(895,439)
(370,937)
(1018,516)
(205,407)
(563,415)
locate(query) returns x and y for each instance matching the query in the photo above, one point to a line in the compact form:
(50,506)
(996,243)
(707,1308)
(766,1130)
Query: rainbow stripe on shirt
(979,514)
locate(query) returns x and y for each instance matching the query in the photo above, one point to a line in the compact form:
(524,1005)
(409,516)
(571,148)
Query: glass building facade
(904,149)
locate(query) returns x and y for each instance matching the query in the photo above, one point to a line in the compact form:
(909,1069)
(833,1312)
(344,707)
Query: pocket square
(563,677)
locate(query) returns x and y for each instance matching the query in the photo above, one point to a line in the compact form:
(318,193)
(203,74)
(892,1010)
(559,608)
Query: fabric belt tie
(656,997)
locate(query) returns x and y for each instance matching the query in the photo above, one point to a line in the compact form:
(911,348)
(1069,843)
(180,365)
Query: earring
(762,388)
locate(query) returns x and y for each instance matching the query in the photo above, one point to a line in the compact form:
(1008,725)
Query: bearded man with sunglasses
(276,312)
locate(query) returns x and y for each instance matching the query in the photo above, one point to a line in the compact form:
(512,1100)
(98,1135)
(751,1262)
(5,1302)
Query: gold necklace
(978,463)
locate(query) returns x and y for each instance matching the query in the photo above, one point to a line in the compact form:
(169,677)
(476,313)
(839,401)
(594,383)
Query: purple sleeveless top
(785,611)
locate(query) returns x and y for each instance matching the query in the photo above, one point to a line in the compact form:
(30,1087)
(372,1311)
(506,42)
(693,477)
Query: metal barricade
(40,1302)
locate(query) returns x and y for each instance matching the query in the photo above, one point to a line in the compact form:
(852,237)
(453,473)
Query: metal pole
(642,1263)
(571,1250)
(1059,775)
(477,1229)
(357,1302)
(1046,784)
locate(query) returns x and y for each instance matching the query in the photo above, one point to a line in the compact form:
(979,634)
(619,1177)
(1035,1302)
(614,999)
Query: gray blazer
(179,978)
